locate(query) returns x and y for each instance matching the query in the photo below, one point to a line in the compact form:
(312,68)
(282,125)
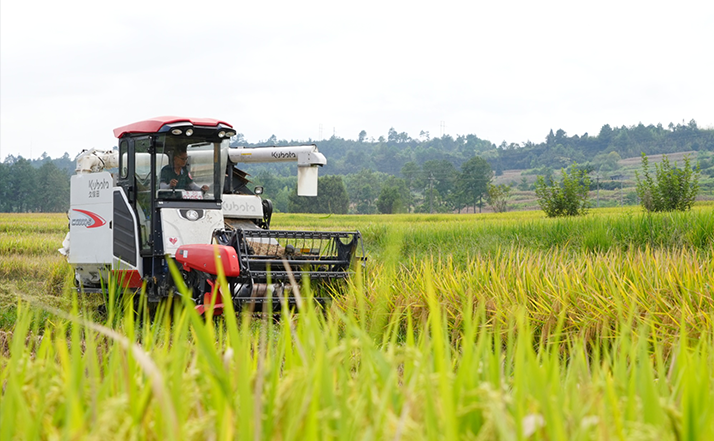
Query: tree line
(558,149)
(41,185)
(436,186)
(400,173)
(396,173)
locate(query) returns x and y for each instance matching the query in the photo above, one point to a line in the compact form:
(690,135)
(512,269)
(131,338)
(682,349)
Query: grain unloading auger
(176,194)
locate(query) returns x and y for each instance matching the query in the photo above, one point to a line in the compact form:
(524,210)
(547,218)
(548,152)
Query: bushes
(672,189)
(497,197)
(567,198)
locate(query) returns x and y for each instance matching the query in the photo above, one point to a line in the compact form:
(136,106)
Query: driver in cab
(177,176)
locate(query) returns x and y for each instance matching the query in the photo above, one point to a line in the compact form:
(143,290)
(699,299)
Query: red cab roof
(154,124)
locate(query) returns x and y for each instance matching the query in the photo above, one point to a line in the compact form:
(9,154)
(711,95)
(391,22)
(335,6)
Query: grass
(506,326)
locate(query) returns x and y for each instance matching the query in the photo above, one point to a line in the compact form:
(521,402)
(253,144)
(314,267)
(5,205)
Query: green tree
(281,201)
(23,187)
(606,162)
(394,196)
(5,188)
(472,185)
(523,185)
(672,189)
(363,189)
(331,198)
(439,174)
(271,185)
(410,171)
(388,201)
(433,202)
(53,184)
(497,197)
(567,198)
(392,135)
(604,136)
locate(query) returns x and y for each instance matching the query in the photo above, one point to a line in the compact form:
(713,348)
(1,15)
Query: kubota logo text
(233,207)
(283,155)
(96,184)
(87,219)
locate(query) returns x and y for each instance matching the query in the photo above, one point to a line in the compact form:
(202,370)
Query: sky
(72,71)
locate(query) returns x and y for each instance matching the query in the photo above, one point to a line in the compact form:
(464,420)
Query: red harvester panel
(128,278)
(202,257)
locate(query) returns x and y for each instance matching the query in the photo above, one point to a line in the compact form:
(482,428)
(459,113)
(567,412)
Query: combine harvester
(177,194)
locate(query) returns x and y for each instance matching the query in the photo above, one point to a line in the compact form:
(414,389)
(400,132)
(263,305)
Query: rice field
(503,327)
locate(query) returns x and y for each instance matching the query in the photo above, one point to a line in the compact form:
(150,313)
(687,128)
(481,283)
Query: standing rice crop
(506,339)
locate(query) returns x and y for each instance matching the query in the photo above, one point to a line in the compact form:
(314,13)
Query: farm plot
(462,327)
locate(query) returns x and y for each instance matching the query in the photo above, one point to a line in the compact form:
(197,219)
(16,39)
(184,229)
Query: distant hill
(389,155)
(613,154)
(420,164)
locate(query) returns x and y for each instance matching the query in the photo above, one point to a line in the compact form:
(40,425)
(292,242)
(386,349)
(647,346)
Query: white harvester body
(171,191)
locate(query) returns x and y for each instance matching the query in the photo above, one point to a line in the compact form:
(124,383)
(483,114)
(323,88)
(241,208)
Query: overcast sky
(72,71)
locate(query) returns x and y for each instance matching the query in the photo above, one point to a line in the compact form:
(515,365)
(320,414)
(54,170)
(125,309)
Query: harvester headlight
(221,134)
(192,215)
(189,132)
(230,134)
(175,131)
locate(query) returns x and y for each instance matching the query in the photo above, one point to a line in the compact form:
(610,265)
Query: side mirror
(258,190)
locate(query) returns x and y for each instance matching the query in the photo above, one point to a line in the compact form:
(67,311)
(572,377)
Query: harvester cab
(172,191)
